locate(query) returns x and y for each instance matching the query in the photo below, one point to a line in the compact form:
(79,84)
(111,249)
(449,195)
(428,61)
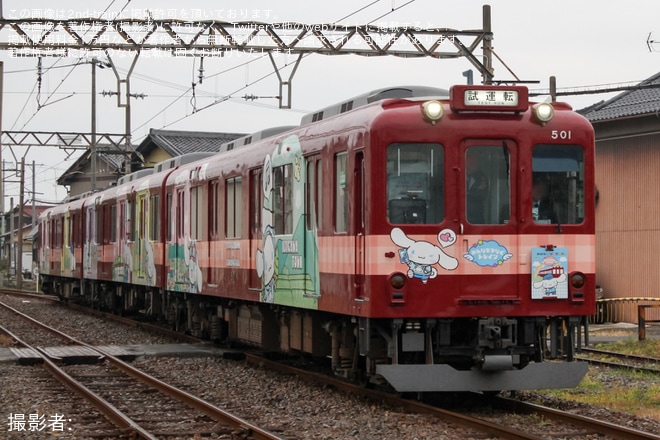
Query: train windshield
(487,184)
(557,184)
(415,183)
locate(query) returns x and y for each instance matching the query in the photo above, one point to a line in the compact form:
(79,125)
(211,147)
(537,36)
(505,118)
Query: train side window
(234,207)
(256,196)
(214,209)
(142,220)
(557,184)
(415,183)
(180,215)
(171,216)
(196,212)
(154,217)
(90,222)
(487,185)
(283,199)
(107,223)
(341,193)
(58,233)
(68,231)
(113,224)
(313,193)
(98,220)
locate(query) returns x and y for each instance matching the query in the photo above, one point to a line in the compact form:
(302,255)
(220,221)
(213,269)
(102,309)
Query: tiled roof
(112,159)
(638,101)
(177,143)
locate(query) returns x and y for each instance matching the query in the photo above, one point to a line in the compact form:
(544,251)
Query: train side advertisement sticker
(549,269)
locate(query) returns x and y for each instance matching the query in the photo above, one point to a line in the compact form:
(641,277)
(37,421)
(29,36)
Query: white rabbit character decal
(421,256)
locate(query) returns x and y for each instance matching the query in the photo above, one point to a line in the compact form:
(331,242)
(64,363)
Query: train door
(90,254)
(214,211)
(287,257)
(313,215)
(140,235)
(488,227)
(359,223)
(177,251)
(255,229)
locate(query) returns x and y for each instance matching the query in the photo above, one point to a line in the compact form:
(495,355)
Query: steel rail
(392,399)
(620,366)
(600,426)
(632,357)
(114,414)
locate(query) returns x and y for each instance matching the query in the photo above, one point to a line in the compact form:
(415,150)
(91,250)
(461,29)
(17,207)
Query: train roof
(374,96)
(254,137)
(181,160)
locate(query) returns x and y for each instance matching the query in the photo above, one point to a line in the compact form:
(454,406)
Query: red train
(436,241)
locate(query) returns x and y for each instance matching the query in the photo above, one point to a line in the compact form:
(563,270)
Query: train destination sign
(506,98)
(488,98)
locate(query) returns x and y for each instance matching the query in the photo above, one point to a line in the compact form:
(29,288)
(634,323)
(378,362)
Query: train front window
(415,183)
(487,186)
(557,184)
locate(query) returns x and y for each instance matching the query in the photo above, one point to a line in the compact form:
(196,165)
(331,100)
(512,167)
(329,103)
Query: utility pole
(2,175)
(92,147)
(11,234)
(487,49)
(126,95)
(34,194)
(19,229)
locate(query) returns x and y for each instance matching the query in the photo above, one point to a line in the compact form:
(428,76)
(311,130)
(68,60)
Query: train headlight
(543,112)
(398,280)
(578,280)
(432,111)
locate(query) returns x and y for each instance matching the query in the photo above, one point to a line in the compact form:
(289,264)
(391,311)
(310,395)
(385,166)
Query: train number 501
(561,134)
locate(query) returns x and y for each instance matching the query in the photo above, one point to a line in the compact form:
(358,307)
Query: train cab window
(557,184)
(341,193)
(487,186)
(415,183)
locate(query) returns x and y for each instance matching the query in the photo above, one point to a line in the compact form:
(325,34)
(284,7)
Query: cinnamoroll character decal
(549,269)
(422,256)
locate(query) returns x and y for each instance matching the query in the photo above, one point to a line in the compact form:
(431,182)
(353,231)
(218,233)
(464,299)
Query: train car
(432,240)
(60,247)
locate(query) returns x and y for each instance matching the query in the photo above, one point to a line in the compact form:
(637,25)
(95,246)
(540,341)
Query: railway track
(580,427)
(136,403)
(625,361)
(583,426)
(588,425)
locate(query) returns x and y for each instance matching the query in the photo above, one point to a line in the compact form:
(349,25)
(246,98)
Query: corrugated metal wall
(628,217)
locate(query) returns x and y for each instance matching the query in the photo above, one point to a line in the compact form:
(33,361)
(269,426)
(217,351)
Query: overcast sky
(583,43)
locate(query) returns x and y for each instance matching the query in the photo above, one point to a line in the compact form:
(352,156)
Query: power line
(359,10)
(596,89)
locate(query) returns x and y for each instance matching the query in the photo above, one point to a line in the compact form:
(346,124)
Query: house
(158,146)
(161,145)
(627,130)
(18,228)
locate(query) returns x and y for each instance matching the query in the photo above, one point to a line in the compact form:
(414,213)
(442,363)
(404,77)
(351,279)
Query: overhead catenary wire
(248,84)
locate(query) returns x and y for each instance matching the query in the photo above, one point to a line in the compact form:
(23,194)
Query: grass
(632,393)
(649,347)
(620,390)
